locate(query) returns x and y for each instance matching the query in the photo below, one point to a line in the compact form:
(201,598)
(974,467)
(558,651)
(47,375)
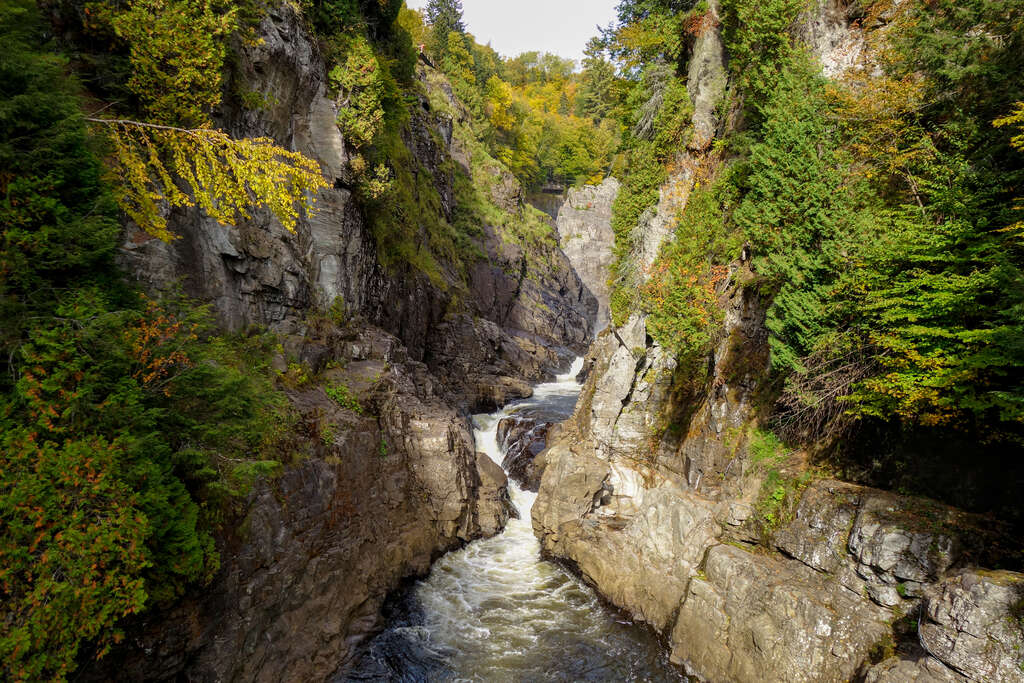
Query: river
(495,612)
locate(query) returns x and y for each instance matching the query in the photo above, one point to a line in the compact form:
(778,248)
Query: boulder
(494,507)
(522,440)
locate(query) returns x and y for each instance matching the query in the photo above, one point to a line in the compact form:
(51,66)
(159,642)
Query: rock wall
(585,234)
(650,492)
(258,273)
(373,497)
(666,527)
(376,496)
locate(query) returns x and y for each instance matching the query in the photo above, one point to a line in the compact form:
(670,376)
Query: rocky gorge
(438,441)
(654,492)
(382,490)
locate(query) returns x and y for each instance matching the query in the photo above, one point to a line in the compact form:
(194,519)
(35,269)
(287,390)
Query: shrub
(343,396)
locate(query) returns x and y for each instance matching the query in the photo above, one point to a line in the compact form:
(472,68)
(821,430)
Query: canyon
(646,491)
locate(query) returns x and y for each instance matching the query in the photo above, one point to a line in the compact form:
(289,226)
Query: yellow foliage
(875,109)
(223,176)
(500,104)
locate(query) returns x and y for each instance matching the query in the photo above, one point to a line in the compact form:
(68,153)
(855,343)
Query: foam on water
(494,611)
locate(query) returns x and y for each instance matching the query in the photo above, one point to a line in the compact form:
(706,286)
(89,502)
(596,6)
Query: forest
(883,211)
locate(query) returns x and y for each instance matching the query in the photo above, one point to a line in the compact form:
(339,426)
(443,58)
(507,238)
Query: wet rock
(494,506)
(512,428)
(522,440)
(520,460)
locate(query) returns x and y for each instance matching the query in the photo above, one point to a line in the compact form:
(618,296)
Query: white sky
(514,26)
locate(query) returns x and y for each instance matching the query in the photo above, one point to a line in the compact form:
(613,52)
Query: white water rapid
(494,611)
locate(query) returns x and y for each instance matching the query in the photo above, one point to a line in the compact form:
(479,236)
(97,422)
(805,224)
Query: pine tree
(444,17)
(597,93)
(563,104)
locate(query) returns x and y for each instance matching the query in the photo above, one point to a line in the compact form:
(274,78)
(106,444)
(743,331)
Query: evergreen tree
(58,221)
(793,211)
(444,17)
(109,432)
(597,96)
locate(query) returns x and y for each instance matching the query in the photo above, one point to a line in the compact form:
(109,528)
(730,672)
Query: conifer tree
(444,17)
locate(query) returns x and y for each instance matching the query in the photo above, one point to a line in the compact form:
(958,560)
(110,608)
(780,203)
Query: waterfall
(494,611)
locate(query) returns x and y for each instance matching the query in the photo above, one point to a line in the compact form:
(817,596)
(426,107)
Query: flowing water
(494,611)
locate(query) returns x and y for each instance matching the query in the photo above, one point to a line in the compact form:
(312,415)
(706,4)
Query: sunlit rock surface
(371,500)
(586,237)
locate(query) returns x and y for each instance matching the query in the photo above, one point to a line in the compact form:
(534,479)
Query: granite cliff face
(375,494)
(651,492)
(585,234)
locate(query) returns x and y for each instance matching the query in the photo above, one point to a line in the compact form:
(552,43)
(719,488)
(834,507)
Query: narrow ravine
(494,611)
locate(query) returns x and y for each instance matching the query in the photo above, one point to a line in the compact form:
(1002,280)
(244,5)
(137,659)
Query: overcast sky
(514,26)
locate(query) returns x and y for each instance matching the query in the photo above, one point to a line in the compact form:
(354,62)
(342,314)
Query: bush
(681,293)
(360,82)
(343,396)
